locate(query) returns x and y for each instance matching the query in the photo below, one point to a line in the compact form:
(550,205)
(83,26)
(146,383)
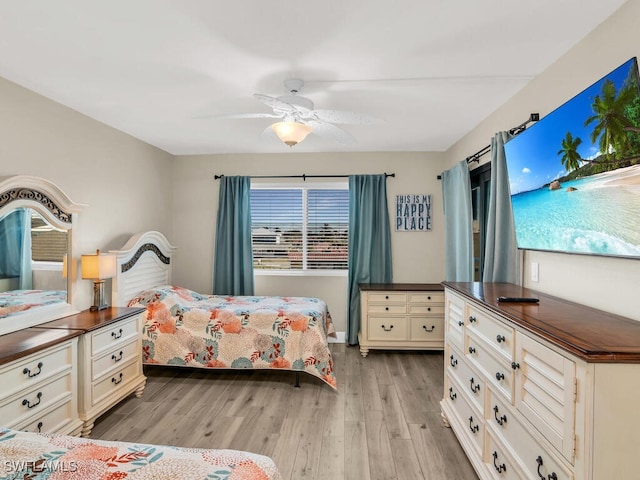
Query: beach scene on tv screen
(575,175)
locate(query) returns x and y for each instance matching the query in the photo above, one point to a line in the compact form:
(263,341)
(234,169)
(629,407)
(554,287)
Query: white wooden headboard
(144,262)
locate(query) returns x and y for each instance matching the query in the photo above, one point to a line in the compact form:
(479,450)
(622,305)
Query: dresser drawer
(497,334)
(114,358)
(500,464)
(528,451)
(30,403)
(498,372)
(426,329)
(111,384)
(114,335)
(28,371)
(426,297)
(387,297)
(388,309)
(53,421)
(388,328)
(473,422)
(425,309)
(472,382)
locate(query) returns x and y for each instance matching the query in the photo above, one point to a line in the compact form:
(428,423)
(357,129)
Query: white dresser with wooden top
(401,316)
(544,390)
(38,381)
(110,359)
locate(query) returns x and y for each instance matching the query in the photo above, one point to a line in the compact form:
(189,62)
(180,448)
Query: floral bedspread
(182,327)
(15,301)
(60,457)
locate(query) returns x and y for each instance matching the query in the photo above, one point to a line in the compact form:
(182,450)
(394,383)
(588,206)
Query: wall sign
(413,213)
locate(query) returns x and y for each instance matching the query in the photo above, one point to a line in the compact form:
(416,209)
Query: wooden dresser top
(403,287)
(19,344)
(88,320)
(593,335)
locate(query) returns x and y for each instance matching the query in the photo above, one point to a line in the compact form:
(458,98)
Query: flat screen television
(574,176)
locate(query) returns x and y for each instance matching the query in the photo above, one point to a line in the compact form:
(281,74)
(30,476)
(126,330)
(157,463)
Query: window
(48,244)
(480,188)
(300,228)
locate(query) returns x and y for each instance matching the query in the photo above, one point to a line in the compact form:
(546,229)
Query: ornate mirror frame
(43,196)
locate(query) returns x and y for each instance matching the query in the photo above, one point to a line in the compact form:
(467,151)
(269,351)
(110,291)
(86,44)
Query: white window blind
(300,228)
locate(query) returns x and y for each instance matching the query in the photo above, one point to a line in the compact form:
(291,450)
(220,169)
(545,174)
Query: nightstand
(110,359)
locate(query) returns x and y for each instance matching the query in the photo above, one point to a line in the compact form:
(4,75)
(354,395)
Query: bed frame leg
(297,385)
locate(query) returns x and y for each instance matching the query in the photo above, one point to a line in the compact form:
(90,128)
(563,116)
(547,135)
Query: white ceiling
(431,69)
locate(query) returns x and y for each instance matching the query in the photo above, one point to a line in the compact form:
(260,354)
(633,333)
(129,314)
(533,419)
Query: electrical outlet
(534,271)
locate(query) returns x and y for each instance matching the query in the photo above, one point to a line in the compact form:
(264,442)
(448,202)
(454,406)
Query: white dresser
(541,391)
(110,359)
(401,316)
(38,379)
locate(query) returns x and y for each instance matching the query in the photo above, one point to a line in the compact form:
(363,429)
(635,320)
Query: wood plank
(383,422)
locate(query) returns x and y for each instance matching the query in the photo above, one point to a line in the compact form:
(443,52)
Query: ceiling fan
(298,117)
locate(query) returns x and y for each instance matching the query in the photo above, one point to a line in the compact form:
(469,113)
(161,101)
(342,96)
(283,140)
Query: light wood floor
(383,423)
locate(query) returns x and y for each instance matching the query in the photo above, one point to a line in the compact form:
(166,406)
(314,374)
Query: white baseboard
(341,338)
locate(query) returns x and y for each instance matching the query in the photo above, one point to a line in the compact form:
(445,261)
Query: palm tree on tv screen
(611,123)
(570,157)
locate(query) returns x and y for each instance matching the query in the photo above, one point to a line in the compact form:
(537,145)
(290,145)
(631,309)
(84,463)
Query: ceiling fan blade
(268,135)
(275,103)
(343,117)
(241,115)
(327,130)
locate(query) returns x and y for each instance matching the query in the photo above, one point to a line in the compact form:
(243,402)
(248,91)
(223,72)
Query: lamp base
(98,296)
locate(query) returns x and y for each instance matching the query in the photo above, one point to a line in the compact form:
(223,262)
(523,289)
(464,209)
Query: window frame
(303,185)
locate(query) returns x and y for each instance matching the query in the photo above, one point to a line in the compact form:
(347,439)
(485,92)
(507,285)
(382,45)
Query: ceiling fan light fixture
(291,133)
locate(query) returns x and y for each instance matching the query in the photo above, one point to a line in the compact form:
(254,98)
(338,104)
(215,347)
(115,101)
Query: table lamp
(97,267)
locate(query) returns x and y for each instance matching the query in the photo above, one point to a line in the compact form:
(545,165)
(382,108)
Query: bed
(17,301)
(62,457)
(189,329)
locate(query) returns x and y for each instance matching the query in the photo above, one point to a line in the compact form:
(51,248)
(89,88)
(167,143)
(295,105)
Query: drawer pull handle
(472,319)
(28,404)
(428,309)
(116,382)
(515,365)
(500,339)
(452,395)
(39,426)
(429,297)
(387,329)
(502,419)
(460,323)
(473,428)
(499,468)
(433,327)
(386,308)
(27,371)
(452,361)
(474,388)
(499,376)
(551,476)
(386,297)
(115,335)
(472,350)
(116,359)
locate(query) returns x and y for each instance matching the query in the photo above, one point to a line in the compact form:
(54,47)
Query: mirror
(36,280)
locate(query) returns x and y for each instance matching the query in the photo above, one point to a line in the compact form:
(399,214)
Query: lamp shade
(98,266)
(291,133)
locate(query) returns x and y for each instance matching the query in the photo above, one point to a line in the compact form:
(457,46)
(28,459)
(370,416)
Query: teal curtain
(458,219)
(501,260)
(233,257)
(369,242)
(15,242)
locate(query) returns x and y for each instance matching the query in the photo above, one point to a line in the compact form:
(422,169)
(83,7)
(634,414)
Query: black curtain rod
(303,176)
(533,117)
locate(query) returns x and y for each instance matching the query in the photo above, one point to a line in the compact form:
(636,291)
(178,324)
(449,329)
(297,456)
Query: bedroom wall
(417,256)
(610,284)
(125,183)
